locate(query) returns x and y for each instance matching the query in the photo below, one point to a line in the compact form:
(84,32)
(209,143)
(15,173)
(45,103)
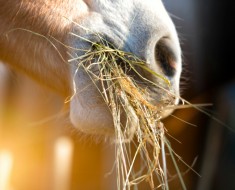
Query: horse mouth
(125,86)
(123,67)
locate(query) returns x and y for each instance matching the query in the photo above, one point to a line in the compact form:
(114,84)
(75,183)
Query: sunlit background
(41,153)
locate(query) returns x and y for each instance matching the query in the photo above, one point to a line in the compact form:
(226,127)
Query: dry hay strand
(136,120)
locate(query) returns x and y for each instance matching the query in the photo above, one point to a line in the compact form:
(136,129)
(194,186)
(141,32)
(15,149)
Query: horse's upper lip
(117,41)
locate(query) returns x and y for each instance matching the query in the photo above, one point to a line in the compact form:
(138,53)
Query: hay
(128,98)
(136,120)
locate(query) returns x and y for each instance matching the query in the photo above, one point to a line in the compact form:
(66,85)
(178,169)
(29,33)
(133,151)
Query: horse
(35,36)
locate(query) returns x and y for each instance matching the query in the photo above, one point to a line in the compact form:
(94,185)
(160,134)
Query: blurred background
(207,41)
(29,139)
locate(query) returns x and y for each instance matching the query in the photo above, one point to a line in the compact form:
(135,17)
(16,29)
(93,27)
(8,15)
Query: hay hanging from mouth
(135,118)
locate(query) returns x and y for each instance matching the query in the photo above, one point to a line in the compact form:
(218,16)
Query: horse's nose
(166,58)
(161,52)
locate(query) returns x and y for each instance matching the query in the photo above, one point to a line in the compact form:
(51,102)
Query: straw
(136,119)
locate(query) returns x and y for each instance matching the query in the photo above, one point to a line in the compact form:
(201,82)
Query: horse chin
(88,111)
(95,120)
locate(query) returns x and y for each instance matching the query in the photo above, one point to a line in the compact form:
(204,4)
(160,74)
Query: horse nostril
(165,57)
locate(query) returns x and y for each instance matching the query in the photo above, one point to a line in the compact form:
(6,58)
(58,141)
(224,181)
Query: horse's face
(140,27)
